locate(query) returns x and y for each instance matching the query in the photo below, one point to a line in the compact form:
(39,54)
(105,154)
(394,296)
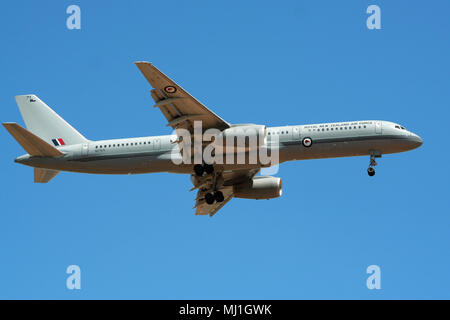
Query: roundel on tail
(307,142)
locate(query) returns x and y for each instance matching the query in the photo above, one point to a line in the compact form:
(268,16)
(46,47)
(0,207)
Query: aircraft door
(84,149)
(295,133)
(157,144)
(378,127)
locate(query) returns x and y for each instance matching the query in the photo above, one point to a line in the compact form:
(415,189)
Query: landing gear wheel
(209,198)
(219,196)
(373,155)
(208,168)
(198,169)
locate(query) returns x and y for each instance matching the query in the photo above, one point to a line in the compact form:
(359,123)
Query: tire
(198,169)
(208,168)
(371,172)
(209,198)
(219,196)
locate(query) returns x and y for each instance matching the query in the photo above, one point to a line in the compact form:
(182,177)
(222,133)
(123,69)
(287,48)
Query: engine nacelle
(261,187)
(247,136)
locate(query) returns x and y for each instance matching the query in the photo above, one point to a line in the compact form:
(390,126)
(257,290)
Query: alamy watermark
(73,281)
(242,145)
(374,280)
(74,20)
(374,20)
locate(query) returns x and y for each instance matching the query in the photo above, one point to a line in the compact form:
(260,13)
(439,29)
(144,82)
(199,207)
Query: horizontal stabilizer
(44,175)
(32,144)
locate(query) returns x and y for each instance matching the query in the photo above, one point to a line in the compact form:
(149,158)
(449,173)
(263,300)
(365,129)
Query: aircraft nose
(416,140)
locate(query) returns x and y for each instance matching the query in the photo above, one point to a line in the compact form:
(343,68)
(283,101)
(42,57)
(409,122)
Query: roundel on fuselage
(307,142)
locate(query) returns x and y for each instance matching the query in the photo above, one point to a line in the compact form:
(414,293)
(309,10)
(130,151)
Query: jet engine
(244,137)
(261,187)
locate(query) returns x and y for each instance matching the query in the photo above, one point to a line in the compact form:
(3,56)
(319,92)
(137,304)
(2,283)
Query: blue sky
(268,62)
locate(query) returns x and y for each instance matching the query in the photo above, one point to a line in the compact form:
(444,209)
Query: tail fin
(46,123)
(32,144)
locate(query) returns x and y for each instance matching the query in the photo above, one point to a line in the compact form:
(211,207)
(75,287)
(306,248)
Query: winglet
(32,144)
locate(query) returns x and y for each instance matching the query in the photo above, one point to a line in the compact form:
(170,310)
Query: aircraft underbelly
(320,150)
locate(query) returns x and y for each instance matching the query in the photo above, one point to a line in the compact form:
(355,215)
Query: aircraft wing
(178,106)
(228,180)
(202,208)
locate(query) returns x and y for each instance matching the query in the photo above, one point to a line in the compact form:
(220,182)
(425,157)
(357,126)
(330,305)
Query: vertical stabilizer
(42,121)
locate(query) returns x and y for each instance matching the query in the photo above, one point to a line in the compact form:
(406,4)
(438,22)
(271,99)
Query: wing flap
(206,184)
(206,209)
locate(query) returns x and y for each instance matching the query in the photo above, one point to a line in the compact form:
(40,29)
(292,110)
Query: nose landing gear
(373,163)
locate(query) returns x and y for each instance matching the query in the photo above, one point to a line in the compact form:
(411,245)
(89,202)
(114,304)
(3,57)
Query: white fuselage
(154,154)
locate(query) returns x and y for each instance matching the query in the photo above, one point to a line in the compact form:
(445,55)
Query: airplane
(53,145)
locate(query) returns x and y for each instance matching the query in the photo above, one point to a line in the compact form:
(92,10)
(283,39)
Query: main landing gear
(208,184)
(216,196)
(373,163)
(199,169)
